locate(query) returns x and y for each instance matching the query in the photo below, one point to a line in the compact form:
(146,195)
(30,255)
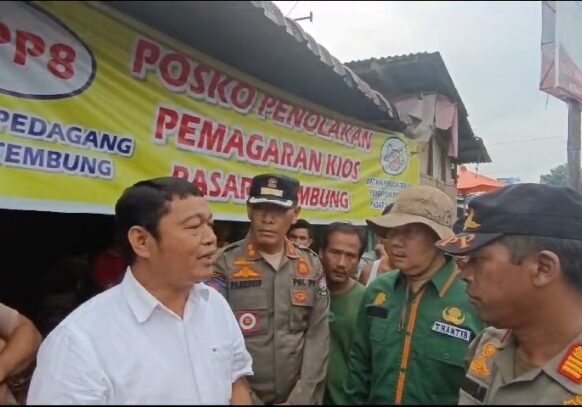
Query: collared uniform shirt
(124,347)
(410,349)
(490,375)
(283,314)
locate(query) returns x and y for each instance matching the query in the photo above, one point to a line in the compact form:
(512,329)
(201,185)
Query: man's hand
(20,348)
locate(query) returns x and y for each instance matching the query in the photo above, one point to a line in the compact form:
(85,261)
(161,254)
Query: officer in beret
(521,255)
(278,293)
(415,323)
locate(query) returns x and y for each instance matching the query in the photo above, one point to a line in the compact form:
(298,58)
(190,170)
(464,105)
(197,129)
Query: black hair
(144,204)
(301,224)
(569,252)
(342,227)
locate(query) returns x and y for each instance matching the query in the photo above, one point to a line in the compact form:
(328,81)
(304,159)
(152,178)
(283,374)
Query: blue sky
(492,51)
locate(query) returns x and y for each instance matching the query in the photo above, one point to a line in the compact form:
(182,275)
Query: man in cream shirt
(161,336)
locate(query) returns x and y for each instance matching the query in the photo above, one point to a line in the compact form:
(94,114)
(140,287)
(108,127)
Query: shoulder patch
(306,249)
(230,246)
(571,366)
(574,401)
(479,366)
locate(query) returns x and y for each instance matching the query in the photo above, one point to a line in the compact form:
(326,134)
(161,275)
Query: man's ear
(548,268)
(140,240)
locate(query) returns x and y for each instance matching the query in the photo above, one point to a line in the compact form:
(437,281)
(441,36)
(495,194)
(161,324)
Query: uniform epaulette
(231,246)
(306,248)
(495,335)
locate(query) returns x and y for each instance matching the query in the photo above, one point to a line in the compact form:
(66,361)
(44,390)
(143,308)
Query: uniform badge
(251,251)
(450,330)
(380,299)
(571,366)
(321,286)
(470,223)
(217,282)
(245,273)
(575,401)
(478,366)
(453,315)
(300,297)
(248,322)
(303,268)
(375,311)
(272,182)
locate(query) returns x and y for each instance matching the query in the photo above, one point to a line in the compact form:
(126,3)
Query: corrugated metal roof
(273,13)
(416,58)
(422,72)
(257,39)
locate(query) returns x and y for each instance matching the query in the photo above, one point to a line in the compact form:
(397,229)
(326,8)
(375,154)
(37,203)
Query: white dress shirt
(124,347)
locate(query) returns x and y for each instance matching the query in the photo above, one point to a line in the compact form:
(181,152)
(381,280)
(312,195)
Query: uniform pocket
(248,299)
(378,329)
(300,310)
(447,356)
(453,355)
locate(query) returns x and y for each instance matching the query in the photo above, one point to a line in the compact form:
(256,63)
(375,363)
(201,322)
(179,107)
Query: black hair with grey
(342,227)
(569,252)
(144,204)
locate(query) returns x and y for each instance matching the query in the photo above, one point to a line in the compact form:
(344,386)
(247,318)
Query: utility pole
(574,145)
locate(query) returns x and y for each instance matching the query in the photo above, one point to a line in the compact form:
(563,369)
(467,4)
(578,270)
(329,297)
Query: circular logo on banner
(394,156)
(35,44)
(247,321)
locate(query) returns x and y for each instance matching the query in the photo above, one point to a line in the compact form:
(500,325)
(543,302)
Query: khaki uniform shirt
(283,315)
(490,374)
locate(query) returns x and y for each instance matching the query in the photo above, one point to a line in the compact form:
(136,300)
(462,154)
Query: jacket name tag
(450,330)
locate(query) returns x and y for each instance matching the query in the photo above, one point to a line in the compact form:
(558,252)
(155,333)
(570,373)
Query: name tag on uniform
(450,330)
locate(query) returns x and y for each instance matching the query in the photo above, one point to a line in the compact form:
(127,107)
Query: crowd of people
(484,315)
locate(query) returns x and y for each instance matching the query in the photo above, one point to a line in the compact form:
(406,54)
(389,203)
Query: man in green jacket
(415,324)
(341,247)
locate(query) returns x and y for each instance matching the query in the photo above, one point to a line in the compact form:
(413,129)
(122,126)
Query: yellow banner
(91,102)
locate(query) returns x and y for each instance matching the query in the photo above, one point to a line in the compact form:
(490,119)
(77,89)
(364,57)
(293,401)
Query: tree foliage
(558,176)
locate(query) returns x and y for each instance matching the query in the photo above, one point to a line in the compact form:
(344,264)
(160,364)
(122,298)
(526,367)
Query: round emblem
(394,156)
(247,321)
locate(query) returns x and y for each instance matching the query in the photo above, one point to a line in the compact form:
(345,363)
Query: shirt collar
(143,303)
(570,357)
(442,280)
(505,361)
(252,254)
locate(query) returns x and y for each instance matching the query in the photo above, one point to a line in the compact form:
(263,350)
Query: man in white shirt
(160,336)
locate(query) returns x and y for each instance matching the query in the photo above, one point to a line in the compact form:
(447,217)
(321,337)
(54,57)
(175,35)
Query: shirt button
(408,333)
(447,356)
(402,370)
